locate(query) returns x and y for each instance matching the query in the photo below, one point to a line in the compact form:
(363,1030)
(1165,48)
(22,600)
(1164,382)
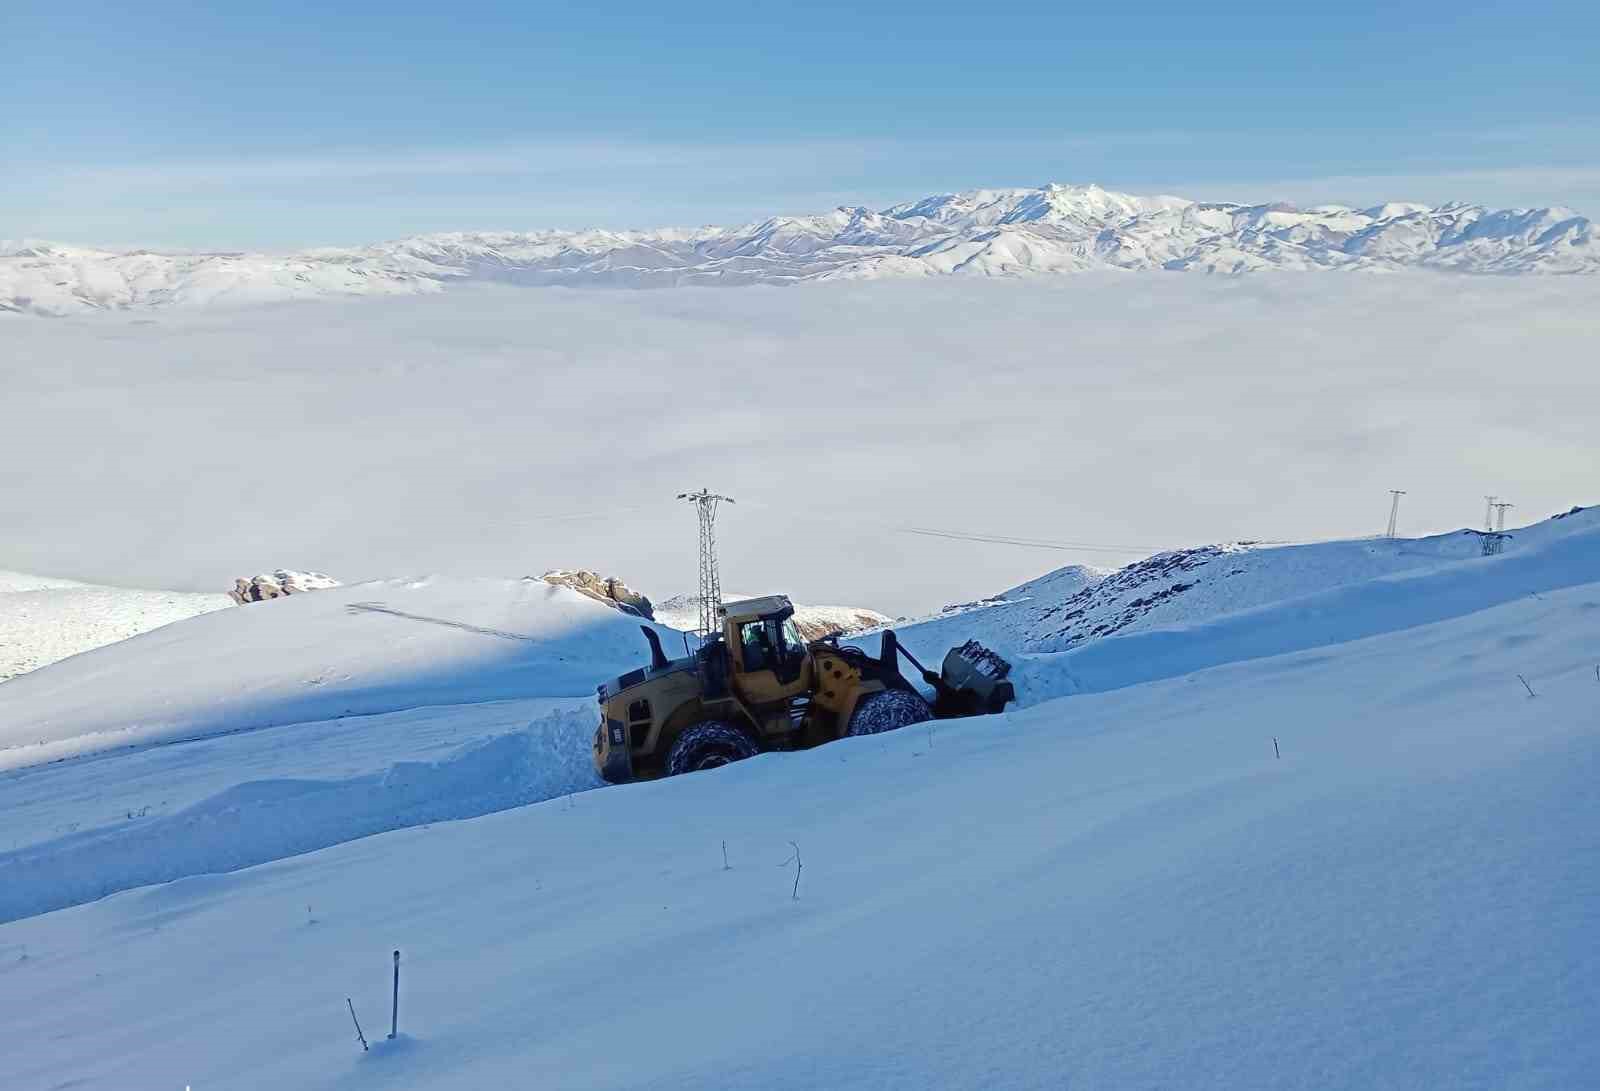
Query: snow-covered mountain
(987,232)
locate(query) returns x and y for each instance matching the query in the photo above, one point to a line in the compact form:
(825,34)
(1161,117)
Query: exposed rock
(814,622)
(275,585)
(606,589)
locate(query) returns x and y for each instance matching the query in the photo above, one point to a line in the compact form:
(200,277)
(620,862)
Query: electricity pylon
(1488,513)
(1394,510)
(1500,514)
(705,502)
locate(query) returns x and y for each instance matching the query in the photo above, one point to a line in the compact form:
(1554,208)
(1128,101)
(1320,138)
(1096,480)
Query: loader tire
(709,744)
(886,711)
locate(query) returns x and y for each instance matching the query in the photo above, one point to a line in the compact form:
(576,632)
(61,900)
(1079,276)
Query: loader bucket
(973,682)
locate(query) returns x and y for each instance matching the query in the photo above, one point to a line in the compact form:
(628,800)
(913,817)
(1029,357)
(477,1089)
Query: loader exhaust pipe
(658,658)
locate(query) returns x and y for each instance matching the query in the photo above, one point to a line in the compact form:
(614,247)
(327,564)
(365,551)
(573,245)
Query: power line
(1030,543)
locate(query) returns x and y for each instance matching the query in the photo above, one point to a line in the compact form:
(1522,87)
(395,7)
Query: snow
(295,723)
(1078,630)
(79,831)
(43,620)
(1008,232)
(1122,888)
(364,648)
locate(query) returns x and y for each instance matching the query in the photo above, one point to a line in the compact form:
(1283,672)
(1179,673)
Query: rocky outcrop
(814,622)
(606,589)
(275,585)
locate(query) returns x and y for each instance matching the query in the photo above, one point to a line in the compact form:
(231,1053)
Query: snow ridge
(1053,229)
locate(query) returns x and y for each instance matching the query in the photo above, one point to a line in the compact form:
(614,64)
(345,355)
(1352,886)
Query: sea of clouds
(498,430)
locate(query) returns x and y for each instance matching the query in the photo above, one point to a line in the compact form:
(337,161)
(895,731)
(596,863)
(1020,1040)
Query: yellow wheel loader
(758,686)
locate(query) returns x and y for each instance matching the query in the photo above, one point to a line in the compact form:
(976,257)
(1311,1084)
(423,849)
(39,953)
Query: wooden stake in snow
(357,1022)
(1275,752)
(394,1011)
(1525,686)
(725,866)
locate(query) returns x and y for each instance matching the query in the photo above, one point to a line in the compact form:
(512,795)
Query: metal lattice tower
(1394,510)
(1488,513)
(705,502)
(1500,514)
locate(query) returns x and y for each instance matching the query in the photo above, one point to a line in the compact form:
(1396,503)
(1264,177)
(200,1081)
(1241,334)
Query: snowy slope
(1124,889)
(289,725)
(1002,232)
(43,620)
(79,830)
(363,648)
(1181,596)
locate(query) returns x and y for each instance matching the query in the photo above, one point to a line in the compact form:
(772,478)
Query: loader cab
(770,661)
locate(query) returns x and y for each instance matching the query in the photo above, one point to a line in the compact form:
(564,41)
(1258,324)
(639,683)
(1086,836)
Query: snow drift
(135,834)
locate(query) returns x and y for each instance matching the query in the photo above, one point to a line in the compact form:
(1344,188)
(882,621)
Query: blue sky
(289,124)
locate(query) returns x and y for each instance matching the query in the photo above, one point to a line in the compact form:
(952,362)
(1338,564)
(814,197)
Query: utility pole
(1500,514)
(1488,513)
(705,502)
(1394,510)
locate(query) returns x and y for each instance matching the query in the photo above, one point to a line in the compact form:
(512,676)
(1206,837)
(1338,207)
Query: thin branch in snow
(795,860)
(1275,752)
(1525,685)
(725,864)
(357,1022)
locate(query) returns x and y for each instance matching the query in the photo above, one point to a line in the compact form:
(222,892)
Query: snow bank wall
(258,821)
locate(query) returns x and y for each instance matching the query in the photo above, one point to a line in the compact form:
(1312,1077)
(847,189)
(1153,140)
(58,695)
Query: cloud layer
(503,431)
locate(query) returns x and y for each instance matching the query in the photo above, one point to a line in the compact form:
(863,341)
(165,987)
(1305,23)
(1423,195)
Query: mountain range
(987,232)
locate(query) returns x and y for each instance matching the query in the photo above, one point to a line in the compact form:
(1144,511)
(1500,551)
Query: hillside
(987,232)
(1184,598)
(43,620)
(365,648)
(1121,889)
(321,718)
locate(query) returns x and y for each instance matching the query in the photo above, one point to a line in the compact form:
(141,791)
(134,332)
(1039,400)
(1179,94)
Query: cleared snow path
(81,830)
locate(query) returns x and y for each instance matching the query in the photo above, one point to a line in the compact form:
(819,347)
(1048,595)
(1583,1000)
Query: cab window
(758,648)
(768,642)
